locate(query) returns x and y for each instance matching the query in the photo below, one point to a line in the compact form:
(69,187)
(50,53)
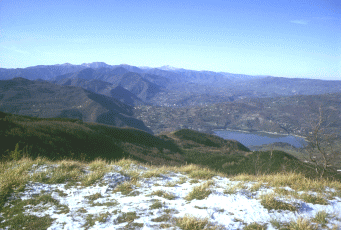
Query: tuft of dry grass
(152,173)
(321,218)
(125,163)
(234,188)
(156,205)
(285,192)
(91,219)
(196,172)
(314,199)
(92,177)
(255,226)
(189,222)
(97,164)
(67,171)
(269,202)
(199,192)
(163,218)
(98,169)
(203,174)
(255,187)
(276,223)
(194,181)
(163,194)
(125,188)
(94,196)
(182,180)
(318,199)
(302,224)
(127,217)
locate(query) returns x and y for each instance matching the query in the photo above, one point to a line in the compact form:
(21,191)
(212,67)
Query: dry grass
(125,163)
(192,170)
(314,199)
(255,187)
(94,196)
(98,169)
(98,164)
(15,174)
(153,173)
(276,223)
(156,204)
(200,192)
(92,219)
(189,222)
(182,180)
(321,218)
(302,224)
(125,188)
(203,174)
(285,192)
(232,189)
(295,181)
(163,194)
(92,177)
(194,181)
(163,218)
(16,215)
(67,171)
(255,226)
(127,217)
(13,177)
(270,202)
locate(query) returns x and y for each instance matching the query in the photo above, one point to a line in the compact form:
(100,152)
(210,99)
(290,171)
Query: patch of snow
(232,211)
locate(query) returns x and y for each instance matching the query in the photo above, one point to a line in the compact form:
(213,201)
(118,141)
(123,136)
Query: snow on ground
(113,210)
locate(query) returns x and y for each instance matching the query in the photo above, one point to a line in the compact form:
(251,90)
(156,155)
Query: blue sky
(286,38)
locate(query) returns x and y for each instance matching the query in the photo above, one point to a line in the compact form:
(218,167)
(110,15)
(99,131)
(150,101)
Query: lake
(259,138)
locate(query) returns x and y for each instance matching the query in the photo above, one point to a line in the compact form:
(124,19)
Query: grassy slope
(59,138)
(72,139)
(233,158)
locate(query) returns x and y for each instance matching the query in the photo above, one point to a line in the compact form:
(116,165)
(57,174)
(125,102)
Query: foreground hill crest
(128,195)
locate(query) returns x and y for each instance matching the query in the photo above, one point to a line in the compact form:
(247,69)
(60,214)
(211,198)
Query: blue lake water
(258,138)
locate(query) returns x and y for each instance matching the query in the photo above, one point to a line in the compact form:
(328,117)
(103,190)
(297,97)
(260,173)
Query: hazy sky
(287,38)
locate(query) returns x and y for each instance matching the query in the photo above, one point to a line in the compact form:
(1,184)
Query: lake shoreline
(260,138)
(273,133)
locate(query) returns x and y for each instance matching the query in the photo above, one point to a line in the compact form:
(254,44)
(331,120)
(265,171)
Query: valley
(104,135)
(163,100)
(167,99)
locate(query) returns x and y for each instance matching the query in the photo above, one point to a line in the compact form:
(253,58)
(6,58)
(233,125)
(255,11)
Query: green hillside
(64,138)
(59,138)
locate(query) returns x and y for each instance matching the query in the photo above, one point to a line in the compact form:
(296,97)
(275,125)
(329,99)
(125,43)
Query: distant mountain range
(44,99)
(103,93)
(170,86)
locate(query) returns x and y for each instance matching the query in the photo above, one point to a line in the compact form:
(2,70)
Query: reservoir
(259,138)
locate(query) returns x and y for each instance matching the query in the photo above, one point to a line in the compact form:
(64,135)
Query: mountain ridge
(45,99)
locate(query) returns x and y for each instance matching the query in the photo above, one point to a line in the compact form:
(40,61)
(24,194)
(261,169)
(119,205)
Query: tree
(321,144)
